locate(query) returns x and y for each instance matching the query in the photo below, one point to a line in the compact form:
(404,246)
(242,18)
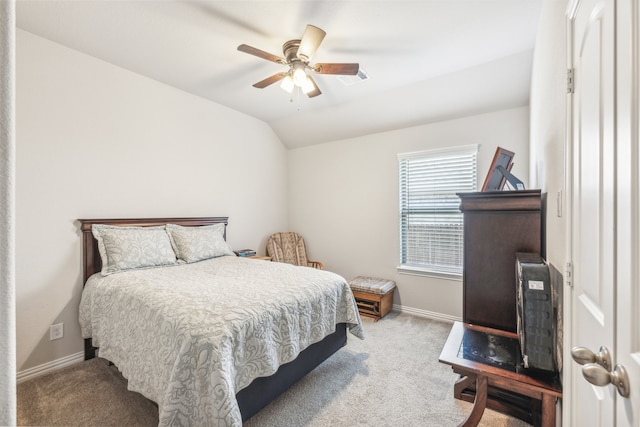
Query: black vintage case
(536,318)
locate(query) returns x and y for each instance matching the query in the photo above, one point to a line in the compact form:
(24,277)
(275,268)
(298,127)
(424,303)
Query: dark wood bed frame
(262,390)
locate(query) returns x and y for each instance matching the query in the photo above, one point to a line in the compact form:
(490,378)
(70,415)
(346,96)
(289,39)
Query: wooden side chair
(289,247)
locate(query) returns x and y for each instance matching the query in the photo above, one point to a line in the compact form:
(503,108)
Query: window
(430,219)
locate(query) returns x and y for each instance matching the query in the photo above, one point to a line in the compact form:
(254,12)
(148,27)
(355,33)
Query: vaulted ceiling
(427,60)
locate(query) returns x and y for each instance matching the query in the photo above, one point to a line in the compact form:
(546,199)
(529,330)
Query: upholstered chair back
(289,247)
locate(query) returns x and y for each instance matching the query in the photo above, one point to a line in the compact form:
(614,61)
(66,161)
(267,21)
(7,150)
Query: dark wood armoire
(497,224)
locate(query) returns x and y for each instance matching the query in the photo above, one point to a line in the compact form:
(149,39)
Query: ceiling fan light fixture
(297,53)
(287,84)
(307,86)
(299,74)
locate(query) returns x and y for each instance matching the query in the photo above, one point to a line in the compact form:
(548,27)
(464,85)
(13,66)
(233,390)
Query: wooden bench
(488,361)
(374,296)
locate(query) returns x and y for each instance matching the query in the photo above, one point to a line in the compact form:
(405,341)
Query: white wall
(7,215)
(343,197)
(97,141)
(548,124)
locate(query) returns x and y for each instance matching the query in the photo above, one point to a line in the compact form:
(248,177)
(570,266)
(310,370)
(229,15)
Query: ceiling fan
(297,54)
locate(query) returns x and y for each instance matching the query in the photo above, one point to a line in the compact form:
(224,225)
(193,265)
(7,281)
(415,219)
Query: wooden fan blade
(316,89)
(261,54)
(270,80)
(343,69)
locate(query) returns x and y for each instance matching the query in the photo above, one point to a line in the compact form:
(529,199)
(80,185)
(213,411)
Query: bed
(213,340)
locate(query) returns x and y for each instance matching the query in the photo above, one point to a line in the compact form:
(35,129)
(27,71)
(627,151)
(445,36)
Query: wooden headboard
(91,262)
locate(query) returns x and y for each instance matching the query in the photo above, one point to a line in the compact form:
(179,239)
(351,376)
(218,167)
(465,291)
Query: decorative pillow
(193,244)
(126,248)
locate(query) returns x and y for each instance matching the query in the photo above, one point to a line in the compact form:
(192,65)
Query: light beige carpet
(392,378)
(90,393)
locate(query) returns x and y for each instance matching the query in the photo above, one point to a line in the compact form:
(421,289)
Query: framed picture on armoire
(495,179)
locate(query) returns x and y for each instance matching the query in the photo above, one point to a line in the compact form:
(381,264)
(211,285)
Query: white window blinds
(431,228)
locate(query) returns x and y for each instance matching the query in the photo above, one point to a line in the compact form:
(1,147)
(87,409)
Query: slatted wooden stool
(373,296)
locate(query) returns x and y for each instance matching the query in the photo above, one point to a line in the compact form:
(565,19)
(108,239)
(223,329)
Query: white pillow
(193,244)
(126,248)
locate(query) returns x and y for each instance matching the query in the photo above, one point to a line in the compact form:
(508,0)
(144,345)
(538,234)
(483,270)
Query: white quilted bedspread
(190,337)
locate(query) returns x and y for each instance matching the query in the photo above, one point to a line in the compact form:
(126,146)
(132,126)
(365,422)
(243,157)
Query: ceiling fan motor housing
(290,50)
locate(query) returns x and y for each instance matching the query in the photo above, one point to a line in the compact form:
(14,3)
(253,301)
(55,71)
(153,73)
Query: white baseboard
(49,367)
(424,313)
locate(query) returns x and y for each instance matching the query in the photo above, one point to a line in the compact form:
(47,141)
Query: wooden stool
(373,296)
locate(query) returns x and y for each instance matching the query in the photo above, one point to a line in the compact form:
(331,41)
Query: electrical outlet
(56,331)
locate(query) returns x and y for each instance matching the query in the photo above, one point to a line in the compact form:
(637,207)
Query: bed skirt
(263,390)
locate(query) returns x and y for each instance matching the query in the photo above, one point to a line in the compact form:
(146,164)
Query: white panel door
(627,352)
(605,220)
(593,222)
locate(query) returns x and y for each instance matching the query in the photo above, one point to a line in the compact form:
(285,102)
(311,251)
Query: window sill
(417,271)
